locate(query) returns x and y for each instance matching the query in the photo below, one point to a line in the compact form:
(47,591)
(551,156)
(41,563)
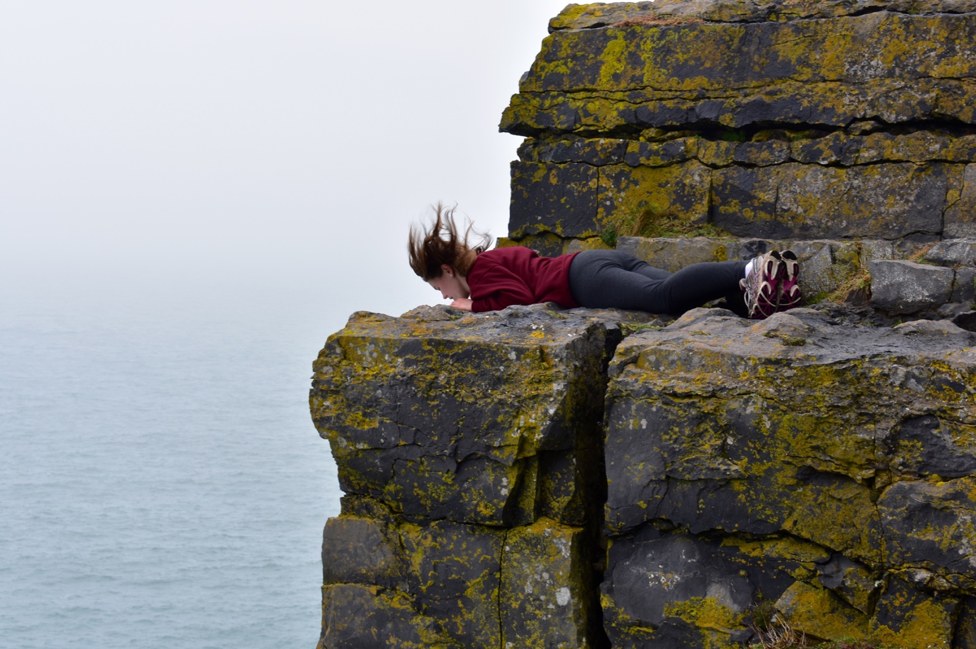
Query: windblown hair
(443,244)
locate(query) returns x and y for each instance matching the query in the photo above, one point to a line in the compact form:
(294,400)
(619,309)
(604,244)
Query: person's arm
(462,303)
(498,287)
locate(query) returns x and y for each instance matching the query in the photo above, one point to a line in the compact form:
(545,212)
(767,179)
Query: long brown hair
(442,244)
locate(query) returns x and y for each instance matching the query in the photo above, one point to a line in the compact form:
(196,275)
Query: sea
(161,482)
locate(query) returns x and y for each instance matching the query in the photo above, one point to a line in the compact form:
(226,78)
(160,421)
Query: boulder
(952,252)
(441,415)
(964,285)
(907,287)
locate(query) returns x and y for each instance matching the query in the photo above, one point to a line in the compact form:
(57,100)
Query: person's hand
(462,303)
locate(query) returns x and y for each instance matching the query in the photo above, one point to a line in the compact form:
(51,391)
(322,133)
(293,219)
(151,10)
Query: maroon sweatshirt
(506,276)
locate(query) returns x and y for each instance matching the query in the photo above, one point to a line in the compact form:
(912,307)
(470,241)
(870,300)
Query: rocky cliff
(545,478)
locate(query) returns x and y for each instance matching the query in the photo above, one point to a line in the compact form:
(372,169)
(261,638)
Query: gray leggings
(618,280)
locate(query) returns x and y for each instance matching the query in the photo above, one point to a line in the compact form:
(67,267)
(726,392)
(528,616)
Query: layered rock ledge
(781,119)
(589,479)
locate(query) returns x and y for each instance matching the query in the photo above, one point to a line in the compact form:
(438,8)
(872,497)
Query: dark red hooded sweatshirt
(506,276)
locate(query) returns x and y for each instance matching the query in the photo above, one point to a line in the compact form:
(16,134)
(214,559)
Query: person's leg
(614,279)
(694,285)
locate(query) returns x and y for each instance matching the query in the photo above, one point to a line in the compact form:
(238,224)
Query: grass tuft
(780,635)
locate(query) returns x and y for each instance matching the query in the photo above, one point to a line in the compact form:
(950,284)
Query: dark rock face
(842,121)
(470,452)
(823,467)
(790,428)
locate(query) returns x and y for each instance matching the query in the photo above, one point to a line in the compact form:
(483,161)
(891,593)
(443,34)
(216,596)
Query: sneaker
(761,286)
(789,288)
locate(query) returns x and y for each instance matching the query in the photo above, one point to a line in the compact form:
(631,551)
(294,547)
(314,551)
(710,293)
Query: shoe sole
(773,272)
(790,296)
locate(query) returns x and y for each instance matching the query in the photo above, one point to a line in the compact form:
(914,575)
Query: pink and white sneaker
(762,286)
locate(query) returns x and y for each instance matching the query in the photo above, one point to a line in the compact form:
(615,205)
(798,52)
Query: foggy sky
(182,147)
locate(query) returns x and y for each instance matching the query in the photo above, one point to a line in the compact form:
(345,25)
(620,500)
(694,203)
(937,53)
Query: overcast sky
(188,145)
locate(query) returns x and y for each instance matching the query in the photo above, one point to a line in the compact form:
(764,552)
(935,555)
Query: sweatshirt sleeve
(496,287)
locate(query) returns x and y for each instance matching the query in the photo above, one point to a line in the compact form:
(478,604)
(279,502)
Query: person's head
(442,256)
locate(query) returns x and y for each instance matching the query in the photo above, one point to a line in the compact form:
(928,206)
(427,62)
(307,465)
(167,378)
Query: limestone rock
(438,580)
(928,446)
(819,613)
(907,287)
(965,636)
(677,190)
(810,201)
(929,526)
(851,581)
(361,551)
(964,285)
(546,588)
(734,11)
(674,254)
(960,217)
(953,252)
(834,120)
(653,72)
(907,617)
(369,617)
(454,418)
(710,417)
(659,588)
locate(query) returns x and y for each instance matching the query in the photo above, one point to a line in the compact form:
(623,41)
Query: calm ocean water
(161,484)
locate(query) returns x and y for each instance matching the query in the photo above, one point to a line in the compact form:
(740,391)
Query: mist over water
(161,483)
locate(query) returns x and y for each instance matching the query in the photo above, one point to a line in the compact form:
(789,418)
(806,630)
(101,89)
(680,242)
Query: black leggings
(618,280)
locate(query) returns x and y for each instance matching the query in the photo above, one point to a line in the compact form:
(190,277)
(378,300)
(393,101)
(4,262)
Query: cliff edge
(537,477)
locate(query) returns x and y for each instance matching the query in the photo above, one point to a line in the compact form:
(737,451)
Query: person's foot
(762,284)
(789,288)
